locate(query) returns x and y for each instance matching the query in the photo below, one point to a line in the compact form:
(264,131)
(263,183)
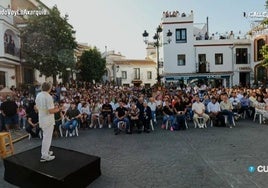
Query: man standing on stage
(46,110)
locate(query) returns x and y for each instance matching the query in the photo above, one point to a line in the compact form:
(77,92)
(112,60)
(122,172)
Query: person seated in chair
(85,114)
(134,113)
(72,118)
(107,112)
(245,104)
(227,109)
(235,101)
(180,110)
(121,115)
(58,119)
(168,115)
(95,114)
(33,123)
(147,117)
(199,111)
(214,112)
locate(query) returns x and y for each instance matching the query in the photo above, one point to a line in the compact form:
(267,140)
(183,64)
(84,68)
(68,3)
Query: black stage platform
(69,169)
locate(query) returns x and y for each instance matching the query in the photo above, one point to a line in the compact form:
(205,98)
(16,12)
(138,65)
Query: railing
(12,50)
(202,67)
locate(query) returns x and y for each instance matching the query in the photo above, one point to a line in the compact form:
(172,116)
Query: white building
(129,72)
(193,54)
(10,64)
(135,72)
(13,69)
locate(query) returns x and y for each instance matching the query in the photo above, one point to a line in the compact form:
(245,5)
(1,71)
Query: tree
(48,43)
(264,52)
(91,65)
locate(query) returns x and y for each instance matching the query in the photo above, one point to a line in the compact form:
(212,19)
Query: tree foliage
(91,65)
(264,52)
(265,20)
(48,43)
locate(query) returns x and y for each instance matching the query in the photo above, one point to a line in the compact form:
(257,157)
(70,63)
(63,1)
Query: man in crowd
(33,123)
(214,111)
(9,110)
(121,115)
(180,110)
(107,112)
(199,111)
(72,118)
(227,109)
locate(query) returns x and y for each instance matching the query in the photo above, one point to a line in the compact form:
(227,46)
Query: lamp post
(157,44)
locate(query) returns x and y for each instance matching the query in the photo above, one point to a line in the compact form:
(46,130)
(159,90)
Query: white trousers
(47,138)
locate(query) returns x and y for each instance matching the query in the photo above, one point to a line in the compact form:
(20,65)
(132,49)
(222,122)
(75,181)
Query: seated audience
(72,117)
(33,123)
(199,111)
(121,114)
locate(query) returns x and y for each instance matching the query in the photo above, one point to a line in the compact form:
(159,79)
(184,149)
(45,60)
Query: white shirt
(234,100)
(152,105)
(213,107)
(85,110)
(198,107)
(44,102)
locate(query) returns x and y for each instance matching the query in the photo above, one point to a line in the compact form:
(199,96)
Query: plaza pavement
(212,157)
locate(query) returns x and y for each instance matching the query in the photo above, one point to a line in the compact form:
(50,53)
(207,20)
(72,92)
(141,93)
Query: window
(2,79)
(260,44)
(149,75)
(181,36)
(136,73)
(124,74)
(181,60)
(241,56)
(28,76)
(202,58)
(218,59)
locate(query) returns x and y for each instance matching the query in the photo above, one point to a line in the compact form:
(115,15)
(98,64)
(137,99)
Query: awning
(190,76)
(136,81)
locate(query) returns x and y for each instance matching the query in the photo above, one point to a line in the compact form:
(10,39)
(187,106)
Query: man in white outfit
(199,111)
(45,105)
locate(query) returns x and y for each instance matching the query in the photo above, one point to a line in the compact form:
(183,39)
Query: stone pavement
(212,157)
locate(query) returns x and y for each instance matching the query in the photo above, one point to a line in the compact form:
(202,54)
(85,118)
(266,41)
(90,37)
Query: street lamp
(157,44)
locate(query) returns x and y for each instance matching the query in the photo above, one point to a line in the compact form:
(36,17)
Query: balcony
(202,67)
(11,49)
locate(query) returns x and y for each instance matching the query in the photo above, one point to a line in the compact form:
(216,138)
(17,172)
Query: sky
(119,24)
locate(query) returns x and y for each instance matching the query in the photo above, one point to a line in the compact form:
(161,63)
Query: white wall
(143,74)
(4,4)
(173,49)
(9,72)
(210,52)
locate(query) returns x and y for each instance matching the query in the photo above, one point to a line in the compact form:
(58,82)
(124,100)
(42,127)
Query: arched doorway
(260,74)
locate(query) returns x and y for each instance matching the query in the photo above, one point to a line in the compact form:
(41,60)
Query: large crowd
(134,109)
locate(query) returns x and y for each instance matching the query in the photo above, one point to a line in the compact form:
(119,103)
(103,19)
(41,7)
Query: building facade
(135,72)
(129,72)
(259,39)
(13,69)
(10,61)
(194,55)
